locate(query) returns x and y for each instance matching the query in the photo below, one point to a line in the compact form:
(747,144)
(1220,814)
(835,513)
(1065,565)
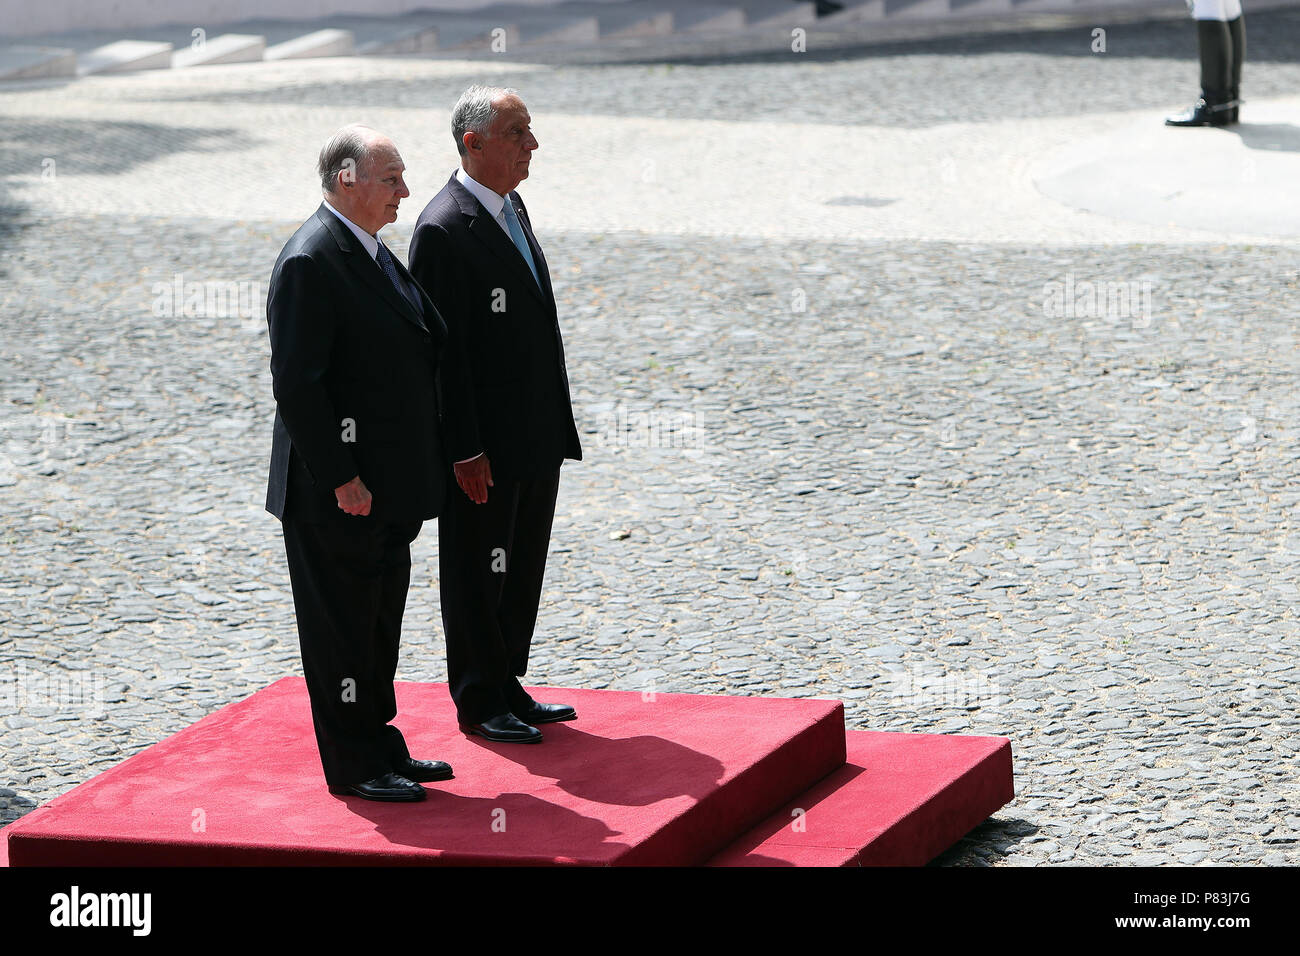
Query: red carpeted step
(900,800)
(665,780)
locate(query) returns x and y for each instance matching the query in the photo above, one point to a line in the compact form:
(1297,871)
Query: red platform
(677,779)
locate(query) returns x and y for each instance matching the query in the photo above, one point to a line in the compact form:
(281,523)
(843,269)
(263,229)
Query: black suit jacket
(353,369)
(505,389)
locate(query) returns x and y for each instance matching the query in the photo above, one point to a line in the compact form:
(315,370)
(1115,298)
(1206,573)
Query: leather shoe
(423,771)
(506,729)
(547,713)
(1204,112)
(390,787)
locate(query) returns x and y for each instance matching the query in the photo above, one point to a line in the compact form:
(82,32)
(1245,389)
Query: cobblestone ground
(868,463)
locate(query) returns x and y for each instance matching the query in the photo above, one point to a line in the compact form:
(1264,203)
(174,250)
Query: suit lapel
(489,232)
(367,269)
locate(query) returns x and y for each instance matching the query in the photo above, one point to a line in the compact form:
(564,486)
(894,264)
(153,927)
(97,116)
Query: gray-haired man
(508,419)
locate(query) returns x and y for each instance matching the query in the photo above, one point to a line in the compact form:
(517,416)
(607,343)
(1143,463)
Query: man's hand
(354,497)
(475,478)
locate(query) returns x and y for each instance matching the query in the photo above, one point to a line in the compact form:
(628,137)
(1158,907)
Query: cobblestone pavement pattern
(836,444)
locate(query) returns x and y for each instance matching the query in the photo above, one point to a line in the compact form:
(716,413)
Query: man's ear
(348,174)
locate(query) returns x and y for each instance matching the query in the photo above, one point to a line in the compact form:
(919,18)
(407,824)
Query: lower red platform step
(899,800)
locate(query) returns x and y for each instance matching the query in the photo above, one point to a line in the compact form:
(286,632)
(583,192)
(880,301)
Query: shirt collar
(370,243)
(492,202)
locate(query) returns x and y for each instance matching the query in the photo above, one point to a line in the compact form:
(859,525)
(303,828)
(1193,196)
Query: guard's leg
(1214,42)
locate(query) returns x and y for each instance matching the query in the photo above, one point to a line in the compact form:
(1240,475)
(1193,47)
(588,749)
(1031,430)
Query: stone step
(279,32)
(706,18)
(1049,6)
(690,17)
(85,42)
(636,18)
(319,43)
(124,56)
(288,39)
(224,48)
(966,7)
(777,13)
(380,36)
(480,30)
(917,9)
(861,11)
(36,62)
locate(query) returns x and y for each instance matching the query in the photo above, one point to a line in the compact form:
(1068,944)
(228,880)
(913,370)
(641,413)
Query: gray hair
(474,113)
(349,147)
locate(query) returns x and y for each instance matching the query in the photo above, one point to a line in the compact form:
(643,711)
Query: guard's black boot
(1214,40)
(1237,28)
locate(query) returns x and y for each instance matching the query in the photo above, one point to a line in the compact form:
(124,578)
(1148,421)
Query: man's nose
(531,143)
(402,191)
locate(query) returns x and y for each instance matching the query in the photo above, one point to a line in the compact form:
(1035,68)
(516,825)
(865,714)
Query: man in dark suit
(508,419)
(356,461)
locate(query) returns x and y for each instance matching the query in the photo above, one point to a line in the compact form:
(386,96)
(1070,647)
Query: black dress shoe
(547,713)
(423,771)
(391,788)
(1203,113)
(506,729)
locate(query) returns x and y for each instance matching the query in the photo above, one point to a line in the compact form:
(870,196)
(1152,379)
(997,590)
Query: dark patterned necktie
(385,260)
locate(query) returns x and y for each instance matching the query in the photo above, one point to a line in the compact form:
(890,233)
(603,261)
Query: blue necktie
(517,234)
(385,260)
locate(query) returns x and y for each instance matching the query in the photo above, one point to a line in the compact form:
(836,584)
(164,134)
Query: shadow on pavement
(100,146)
(1282,137)
(41,150)
(996,833)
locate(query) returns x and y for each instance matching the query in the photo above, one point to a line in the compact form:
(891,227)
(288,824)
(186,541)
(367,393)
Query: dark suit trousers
(350,576)
(491,560)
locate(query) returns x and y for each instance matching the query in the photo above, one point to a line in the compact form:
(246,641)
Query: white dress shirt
(370,242)
(493,202)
